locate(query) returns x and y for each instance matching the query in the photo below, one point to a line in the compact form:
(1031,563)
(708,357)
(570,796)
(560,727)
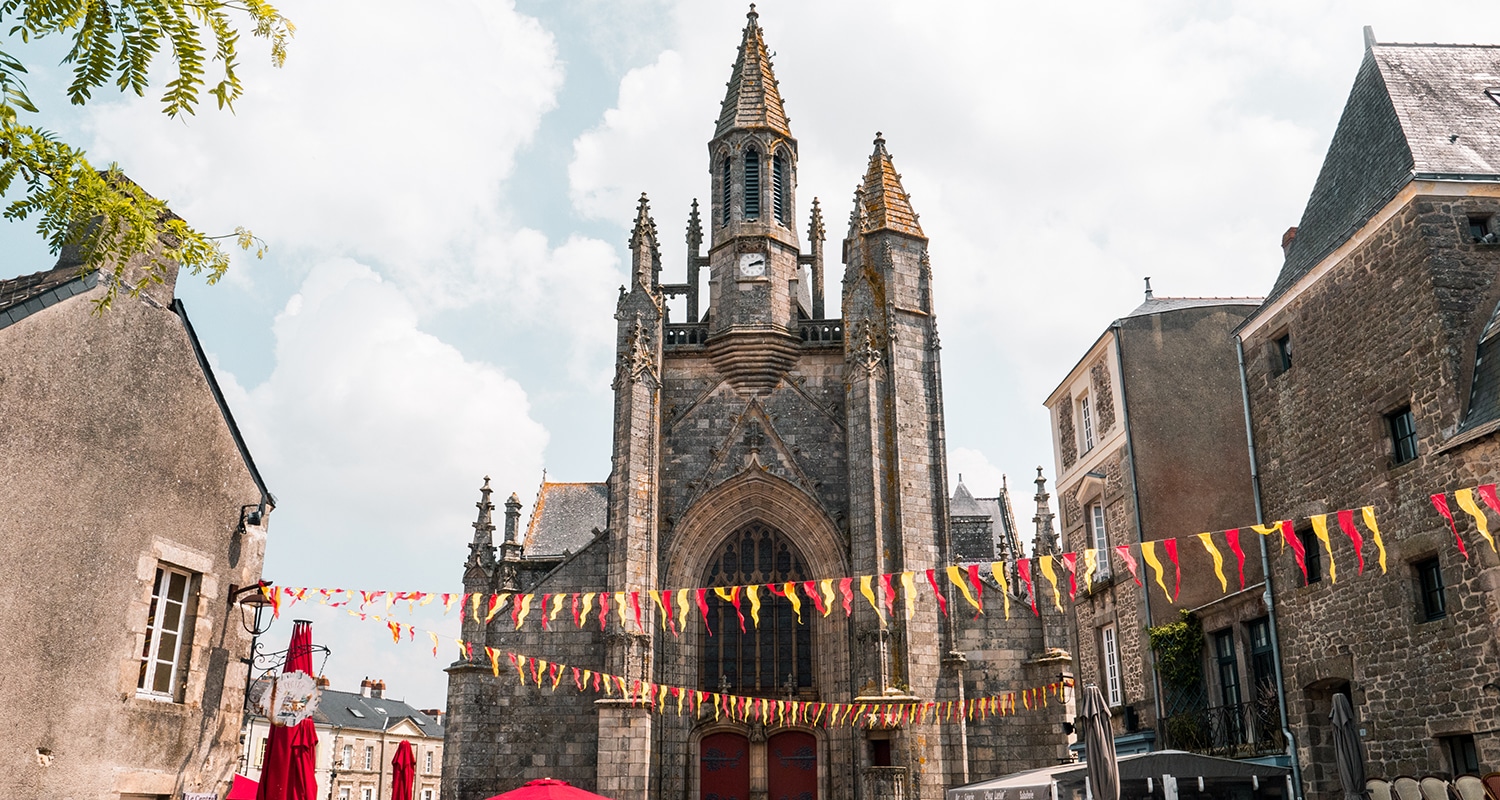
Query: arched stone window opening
(779,185)
(752,184)
(776,658)
(725,183)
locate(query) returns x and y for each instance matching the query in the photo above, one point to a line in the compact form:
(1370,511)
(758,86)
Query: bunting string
(673,610)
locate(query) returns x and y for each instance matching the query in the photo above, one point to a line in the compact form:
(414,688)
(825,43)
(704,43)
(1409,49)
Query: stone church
(760,441)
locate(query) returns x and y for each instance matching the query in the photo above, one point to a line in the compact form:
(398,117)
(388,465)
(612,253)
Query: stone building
(758,426)
(1371,378)
(1149,437)
(358,734)
(132,510)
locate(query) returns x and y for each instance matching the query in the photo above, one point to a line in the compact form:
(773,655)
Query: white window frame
(369,756)
(1098,537)
(426,794)
(343,793)
(1110,647)
(428,770)
(1085,423)
(347,761)
(366,793)
(151,660)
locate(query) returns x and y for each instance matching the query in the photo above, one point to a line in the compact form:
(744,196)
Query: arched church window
(725,182)
(752,184)
(776,657)
(779,187)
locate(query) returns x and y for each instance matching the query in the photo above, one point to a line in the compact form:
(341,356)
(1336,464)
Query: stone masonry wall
(1395,323)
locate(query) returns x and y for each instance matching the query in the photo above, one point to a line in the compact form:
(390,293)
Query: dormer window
(779,187)
(752,184)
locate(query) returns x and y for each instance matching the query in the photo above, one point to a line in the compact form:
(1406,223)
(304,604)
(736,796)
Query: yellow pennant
(909,589)
(791,595)
(620,609)
(661,698)
(587,674)
(864,589)
(660,607)
(1090,561)
(957,578)
(1208,544)
(997,568)
(427,598)
(494,660)
(476,598)
(1368,512)
(525,609)
(754,593)
(1051,575)
(683,609)
(557,677)
(1320,530)
(521,668)
(1465,499)
(1148,551)
(827,587)
(496,602)
(680,695)
(588,605)
(557,604)
(434,643)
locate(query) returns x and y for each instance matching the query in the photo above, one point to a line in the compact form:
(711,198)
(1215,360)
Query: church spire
(645,254)
(883,202)
(1046,539)
(754,98)
(482,548)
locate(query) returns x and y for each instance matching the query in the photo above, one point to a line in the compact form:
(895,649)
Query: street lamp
(253,604)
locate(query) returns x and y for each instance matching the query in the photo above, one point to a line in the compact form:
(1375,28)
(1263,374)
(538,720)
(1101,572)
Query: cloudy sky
(447,190)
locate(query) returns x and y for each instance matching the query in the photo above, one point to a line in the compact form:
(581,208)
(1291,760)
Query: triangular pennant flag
(702,597)
(1346,524)
(1213,551)
(1023,567)
(790,591)
(1232,536)
(1320,530)
(753,592)
(1465,498)
(1045,563)
(909,592)
(1123,551)
(1148,554)
(936,592)
(997,569)
(1368,512)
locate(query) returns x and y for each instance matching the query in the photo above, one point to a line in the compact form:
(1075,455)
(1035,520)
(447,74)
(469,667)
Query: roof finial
(1148,288)
(879,141)
(751,15)
(1369,36)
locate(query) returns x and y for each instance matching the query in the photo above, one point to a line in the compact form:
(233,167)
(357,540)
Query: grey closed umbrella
(1099,741)
(1348,751)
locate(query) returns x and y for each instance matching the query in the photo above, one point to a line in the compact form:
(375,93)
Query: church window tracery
(774,658)
(752,184)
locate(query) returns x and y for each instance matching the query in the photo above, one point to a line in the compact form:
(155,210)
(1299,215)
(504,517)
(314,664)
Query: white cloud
(982,478)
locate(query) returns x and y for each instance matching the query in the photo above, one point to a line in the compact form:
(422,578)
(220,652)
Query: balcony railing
(822,331)
(686,333)
(884,783)
(1245,730)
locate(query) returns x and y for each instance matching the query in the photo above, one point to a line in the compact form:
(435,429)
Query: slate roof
(352,711)
(1158,305)
(1415,111)
(754,98)
(22,296)
(962,504)
(565,516)
(883,201)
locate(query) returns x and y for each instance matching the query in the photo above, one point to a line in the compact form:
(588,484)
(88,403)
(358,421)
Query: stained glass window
(775,658)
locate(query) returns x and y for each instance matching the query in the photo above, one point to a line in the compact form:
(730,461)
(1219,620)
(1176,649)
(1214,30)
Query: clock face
(752,265)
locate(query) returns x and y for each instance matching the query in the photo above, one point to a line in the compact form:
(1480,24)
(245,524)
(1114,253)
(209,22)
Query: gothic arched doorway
(774,658)
(724,766)
(792,766)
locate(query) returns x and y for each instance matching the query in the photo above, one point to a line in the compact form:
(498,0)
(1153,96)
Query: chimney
(435,713)
(377,689)
(322,682)
(365,686)
(1287,239)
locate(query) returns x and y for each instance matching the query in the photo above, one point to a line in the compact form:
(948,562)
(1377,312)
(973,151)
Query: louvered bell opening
(752,184)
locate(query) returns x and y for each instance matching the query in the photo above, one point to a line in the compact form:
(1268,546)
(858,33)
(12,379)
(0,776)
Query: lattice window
(776,657)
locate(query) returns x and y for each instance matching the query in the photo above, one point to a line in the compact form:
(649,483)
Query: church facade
(760,442)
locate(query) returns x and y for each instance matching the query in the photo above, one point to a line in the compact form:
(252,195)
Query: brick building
(757,440)
(131,510)
(1371,373)
(1149,438)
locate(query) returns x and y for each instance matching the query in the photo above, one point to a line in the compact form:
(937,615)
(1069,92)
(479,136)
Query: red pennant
(702,597)
(545,598)
(1346,524)
(936,592)
(635,605)
(1135,570)
(1233,536)
(1170,545)
(811,588)
(596,682)
(776,589)
(734,600)
(845,588)
(603,609)
(515,611)
(978,588)
(1289,535)
(1070,563)
(578,678)
(577,623)
(1023,567)
(887,594)
(1487,493)
(1440,502)
(667,612)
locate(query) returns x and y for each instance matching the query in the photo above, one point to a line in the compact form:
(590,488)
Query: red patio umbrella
(403,772)
(548,789)
(289,769)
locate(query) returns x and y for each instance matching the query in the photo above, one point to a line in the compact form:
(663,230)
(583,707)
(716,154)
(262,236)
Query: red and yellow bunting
(1465,500)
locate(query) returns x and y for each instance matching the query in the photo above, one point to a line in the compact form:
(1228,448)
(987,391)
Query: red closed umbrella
(548,789)
(289,769)
(403,772)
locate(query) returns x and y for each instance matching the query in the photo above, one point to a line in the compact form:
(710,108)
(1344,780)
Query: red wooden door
(792,766)
(724,767)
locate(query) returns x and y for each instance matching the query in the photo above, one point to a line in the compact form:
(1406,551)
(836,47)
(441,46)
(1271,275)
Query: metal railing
(1244,730)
